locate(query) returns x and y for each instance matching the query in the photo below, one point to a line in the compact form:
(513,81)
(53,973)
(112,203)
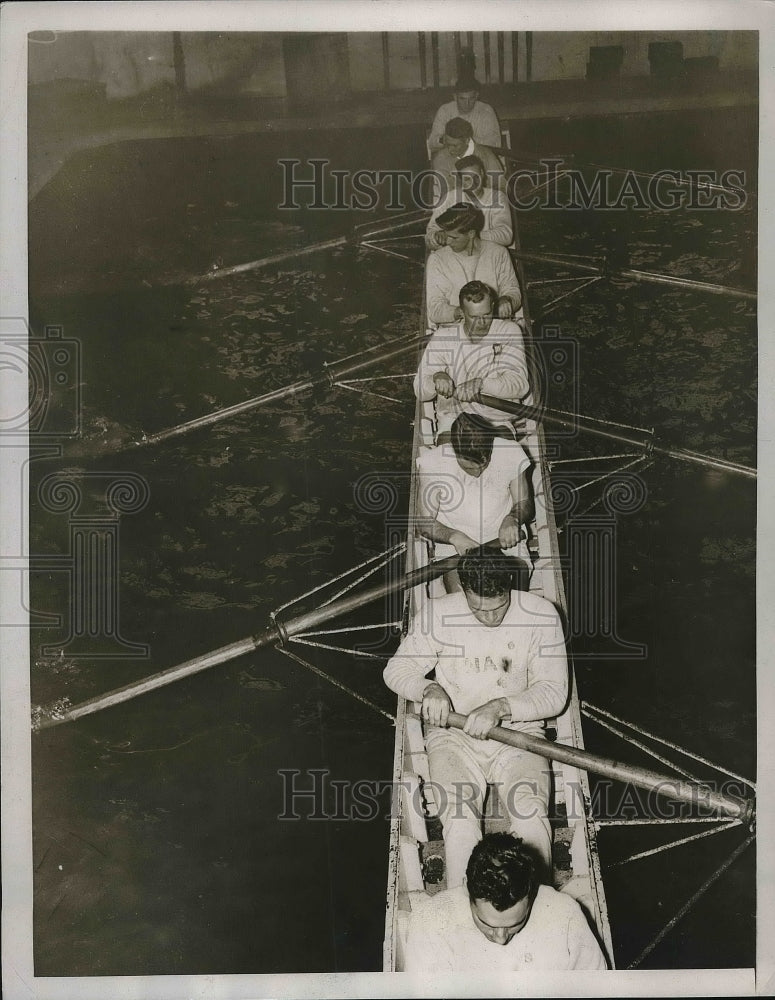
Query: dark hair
(459,128)
(472,438)
(470,161)
(461,216)
(501,871)
(485,572)
(467,84)
(476,291)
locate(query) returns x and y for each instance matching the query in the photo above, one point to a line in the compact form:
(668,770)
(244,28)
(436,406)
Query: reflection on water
(157,843)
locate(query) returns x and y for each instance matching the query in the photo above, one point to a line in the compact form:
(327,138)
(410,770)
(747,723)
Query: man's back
(443,163)
(482,117)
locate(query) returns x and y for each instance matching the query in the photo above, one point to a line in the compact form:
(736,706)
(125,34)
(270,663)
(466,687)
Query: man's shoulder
(483,106)
(437,259)
(549,898)
(486,154)
(442,160)
(496,251)
(435,460)
(505,329)
(552,913)
(449,335)
(526,605)
(447,106)
(439,907)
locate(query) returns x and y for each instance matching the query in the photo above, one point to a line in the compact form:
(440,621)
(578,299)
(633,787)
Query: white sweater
(483,121)
(523,659)
(498,359)
(446,272)
(442,938)
(475,505)
(494,207)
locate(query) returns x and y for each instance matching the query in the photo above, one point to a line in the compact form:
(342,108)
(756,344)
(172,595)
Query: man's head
(472,439)
(486,578)
(471,174)
(466,95)
(461,223)
(502,884)
(477,300)
(457,135)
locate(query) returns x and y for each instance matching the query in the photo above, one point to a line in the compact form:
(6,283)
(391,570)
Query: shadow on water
(158,846)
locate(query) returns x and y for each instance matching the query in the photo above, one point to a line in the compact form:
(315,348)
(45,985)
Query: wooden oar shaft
(723,464)
(169,676)
(394,227)
(647,443)
(712,288)
(278,632)
(330,373)
(228,411)
(664,785)
(278,258)
(633,274)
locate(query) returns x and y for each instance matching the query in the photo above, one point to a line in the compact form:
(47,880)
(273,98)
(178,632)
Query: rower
(500,920)
(483,120)
(458,142)
(475,490)
(465,257)
(499,657)
(475,354)
(471,187)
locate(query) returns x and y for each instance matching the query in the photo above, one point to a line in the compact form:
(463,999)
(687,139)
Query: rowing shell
(416,845)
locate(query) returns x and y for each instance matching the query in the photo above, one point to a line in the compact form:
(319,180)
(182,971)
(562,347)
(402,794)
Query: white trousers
(460,770)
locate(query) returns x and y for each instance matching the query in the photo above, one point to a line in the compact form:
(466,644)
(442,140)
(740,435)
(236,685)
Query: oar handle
(693,793)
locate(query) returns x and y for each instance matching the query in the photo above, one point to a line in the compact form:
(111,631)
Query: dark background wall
(129,63)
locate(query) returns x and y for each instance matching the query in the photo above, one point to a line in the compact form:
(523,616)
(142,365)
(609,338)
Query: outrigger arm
(547,416)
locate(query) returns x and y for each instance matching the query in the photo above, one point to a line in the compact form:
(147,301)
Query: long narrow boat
(416,844)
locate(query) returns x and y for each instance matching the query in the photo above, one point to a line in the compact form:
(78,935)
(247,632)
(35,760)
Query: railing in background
(489,70)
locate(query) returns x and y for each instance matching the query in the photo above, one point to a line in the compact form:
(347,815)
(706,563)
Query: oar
(632,274)
(552,417)
(278,258)
(677,790)
(339,241)
(277,632)
(330,373)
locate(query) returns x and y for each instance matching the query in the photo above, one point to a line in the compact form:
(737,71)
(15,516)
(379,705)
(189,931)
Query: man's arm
(433,229)
(508,286)
(521,512)
(440,120)
(405,673)
(499,229)
(584,953)
(436,360)
(489,126)
(438,287)
(493,167)
(427,522)
(547,671)
(509,380)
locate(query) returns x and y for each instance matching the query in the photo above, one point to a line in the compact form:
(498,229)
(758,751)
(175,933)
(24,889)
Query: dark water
(158,847)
